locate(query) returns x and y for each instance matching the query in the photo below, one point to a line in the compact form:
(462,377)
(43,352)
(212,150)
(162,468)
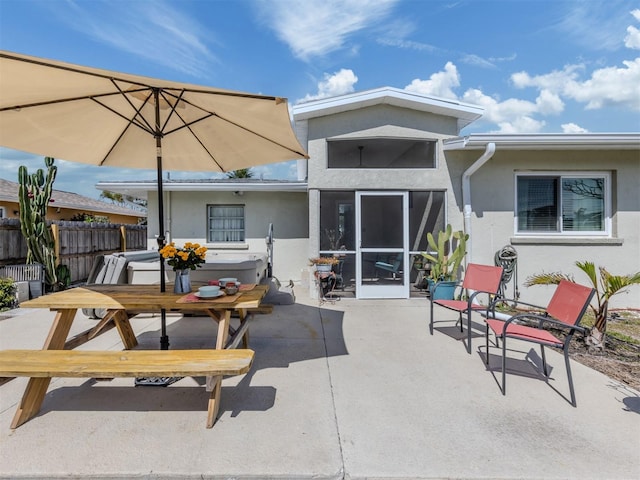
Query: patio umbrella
(105,118)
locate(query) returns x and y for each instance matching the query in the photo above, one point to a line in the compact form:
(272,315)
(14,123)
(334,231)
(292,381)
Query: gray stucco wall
(379,121)
(492,227)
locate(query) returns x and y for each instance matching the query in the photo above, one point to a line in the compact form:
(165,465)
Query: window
(382,153)
(225,223)
(2,215)
(567,204)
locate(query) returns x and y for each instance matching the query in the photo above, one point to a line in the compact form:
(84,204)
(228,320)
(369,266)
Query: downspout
(466,191)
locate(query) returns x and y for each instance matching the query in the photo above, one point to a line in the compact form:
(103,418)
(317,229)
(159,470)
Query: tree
(240,173)
(114,197)
(124,200)
(608,286)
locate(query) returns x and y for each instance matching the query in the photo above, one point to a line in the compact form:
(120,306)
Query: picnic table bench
(122,302)
(126,363)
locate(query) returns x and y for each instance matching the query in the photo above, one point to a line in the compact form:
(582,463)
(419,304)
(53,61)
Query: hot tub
(247,267)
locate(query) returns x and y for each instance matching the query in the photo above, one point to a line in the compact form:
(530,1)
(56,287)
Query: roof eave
(177,186)
(546,141)
(464,112)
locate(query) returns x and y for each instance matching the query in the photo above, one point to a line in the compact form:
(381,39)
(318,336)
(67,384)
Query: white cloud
(632,40)
(511,115)
(314,28)
(573,128)
(340,83)
(477,61)
(549,103)
(606,86)
(522,124)
(594,24)
(158,32)
(440,84)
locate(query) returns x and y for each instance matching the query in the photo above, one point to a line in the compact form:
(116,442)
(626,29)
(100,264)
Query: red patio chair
(565,310)
(478,280)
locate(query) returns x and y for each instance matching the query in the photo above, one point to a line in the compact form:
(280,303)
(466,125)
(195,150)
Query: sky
(535,66)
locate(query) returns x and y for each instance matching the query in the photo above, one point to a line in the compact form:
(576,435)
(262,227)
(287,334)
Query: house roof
(546,141)
(464,112)
(9,193)
(139,189)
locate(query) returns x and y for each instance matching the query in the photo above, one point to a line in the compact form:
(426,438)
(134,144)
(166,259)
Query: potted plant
(323,264)
(445,256)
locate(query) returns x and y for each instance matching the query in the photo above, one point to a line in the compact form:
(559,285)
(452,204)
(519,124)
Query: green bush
(8,299)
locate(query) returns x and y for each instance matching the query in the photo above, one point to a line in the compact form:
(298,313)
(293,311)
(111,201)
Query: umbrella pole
(164,338)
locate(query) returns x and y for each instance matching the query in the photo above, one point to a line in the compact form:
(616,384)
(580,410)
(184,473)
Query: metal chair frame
(480,280)
(566,308)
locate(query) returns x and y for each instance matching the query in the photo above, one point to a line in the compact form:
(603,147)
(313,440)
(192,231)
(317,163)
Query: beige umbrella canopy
(114,119)
(105,118)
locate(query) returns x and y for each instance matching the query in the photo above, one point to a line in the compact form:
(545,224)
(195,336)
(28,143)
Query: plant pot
(323,267)
(445,291)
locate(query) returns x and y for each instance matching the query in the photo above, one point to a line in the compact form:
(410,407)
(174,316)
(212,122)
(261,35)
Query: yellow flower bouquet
(190,256)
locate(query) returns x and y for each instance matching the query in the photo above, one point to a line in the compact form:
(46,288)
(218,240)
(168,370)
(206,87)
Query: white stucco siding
(186,220)
(493,200)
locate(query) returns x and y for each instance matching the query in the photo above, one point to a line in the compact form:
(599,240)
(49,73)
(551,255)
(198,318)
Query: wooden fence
(77,243)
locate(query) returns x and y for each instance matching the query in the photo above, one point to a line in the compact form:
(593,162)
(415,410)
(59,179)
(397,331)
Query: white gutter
(466,191)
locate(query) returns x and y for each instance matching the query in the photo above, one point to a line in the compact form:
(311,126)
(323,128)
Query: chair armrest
(492,301)
(517,302)
(542,320)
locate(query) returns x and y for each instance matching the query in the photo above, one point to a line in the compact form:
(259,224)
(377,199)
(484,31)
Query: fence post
(55,231)
(123,238)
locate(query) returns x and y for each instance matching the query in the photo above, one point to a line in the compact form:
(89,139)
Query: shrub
(8,299)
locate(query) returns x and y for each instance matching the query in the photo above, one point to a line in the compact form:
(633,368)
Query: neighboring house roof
(464,112)
(61,199)
(139,189)
(547,141)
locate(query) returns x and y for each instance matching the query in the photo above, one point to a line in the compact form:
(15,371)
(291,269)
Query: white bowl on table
(209,291)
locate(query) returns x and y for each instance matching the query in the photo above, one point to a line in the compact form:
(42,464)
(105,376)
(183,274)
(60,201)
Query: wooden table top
(143,298)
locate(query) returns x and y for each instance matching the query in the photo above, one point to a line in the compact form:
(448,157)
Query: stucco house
(387,166)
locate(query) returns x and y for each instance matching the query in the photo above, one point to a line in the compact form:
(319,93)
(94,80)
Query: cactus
(34,194)
(450,249)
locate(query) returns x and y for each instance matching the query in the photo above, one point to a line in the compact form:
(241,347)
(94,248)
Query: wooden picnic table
(122,302)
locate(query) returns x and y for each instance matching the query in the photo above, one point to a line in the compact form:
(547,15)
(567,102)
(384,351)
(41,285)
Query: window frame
(367,143)
(560,176)
(210,229)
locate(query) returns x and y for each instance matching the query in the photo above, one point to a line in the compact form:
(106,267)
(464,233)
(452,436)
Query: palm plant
(607,286)
(240,173)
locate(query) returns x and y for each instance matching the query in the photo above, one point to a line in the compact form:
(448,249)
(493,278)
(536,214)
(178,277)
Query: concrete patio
(355,390)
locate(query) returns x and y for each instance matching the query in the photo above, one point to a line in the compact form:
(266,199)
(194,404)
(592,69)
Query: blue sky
(545,66)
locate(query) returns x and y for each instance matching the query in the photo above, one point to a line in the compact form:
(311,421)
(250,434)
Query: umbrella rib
(130,121)
(149,127)
(177,98)
(59,100)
